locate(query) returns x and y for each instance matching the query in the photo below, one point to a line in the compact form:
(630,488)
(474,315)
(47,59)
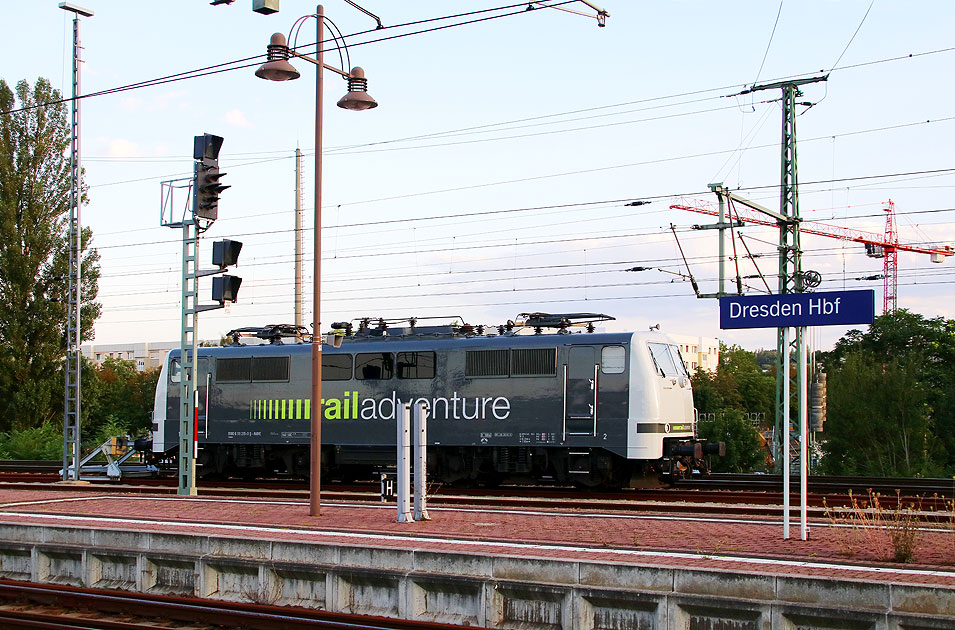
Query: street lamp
(278,68)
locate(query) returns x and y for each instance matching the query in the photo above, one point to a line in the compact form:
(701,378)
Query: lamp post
(277,68)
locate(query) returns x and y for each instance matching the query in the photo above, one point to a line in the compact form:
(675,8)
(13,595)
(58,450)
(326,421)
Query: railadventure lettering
(351,407)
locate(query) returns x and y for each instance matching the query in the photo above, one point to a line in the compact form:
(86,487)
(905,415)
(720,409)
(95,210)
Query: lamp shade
(358,98)
(277,67)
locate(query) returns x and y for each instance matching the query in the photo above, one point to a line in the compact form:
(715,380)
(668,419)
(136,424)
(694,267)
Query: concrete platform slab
(509,569)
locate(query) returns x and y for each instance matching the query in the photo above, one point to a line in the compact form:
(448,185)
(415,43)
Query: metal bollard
(421,461)
(404,463)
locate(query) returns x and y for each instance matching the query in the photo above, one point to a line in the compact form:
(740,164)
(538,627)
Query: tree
(34,254)
(881,424)
(756,389)
(891,407)
(729,401)
(739,383)
(743,450)
(124,398)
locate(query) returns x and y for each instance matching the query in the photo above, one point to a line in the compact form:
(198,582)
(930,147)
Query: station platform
(527,569)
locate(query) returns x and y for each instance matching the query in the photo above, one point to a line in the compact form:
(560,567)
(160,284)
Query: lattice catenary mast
(885,246)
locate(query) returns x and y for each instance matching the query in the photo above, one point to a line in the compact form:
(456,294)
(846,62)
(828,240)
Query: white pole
(404,462)
(722,245)
(421,461)
(785,429)
(803,436)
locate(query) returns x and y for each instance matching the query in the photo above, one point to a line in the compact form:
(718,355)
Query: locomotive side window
(175,371)
(415,365)
(534,362)
(663,360)
(485,363)
(274,369)
(613,359)
(336,367)
(233,370)
(374,366)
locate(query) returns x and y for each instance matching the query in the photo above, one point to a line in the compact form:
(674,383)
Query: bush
(743,450)
(866,525)
(111,427)
(42,442)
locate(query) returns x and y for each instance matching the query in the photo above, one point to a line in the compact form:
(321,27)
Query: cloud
(177,99)
(120,147)
(237,118)
(131,104)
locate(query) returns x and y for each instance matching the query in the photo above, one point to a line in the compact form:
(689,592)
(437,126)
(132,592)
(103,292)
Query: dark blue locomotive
(518,404)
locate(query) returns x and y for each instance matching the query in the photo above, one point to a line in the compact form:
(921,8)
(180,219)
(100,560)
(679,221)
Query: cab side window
(613,359)
(374,366)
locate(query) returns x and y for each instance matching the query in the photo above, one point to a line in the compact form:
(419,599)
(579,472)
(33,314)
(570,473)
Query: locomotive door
(580,392)
(202,388)
(203,378)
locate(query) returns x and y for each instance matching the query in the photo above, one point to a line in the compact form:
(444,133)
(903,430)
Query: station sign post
(791,310)
(797,310)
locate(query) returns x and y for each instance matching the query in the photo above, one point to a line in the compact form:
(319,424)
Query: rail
(135,610)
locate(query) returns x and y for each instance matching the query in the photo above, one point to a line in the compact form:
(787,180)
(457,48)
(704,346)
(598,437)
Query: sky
(494,177)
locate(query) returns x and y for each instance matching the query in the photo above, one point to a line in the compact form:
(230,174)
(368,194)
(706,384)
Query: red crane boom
(885,246)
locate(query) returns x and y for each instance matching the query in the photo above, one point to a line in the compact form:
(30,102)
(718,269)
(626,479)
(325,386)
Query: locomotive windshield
(680,363)
(664,361)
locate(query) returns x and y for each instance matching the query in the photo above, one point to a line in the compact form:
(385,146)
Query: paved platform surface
(681,541)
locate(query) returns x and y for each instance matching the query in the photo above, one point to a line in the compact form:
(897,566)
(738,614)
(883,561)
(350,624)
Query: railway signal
(225,253)
(817,396)
(206,186)
(225,288)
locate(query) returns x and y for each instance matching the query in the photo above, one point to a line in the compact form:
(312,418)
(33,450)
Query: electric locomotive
(531,402)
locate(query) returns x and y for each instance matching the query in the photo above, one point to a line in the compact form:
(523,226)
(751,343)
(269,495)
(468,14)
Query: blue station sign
(829,308)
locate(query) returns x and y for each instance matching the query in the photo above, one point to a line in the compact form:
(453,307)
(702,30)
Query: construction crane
(885,246)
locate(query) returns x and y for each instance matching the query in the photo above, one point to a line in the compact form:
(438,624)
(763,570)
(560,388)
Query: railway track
(30,465)
(906,486)
(57,607)
(733,493)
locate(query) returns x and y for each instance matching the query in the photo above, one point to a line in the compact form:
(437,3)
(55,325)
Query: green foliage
(892,386)
(756,389)
(117,401)
(886,404)
(743,450)
(42,442)
(110,427)
(123,400)
(715,392)
(729,401)
(34,252)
